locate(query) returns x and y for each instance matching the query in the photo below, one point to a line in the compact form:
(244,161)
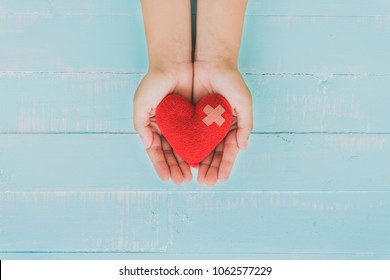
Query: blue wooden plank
(271,44)
(69,43)
(297,223)
(98,102)
(255,7)
(69,221)
(118,7)
(188,256)
(269,223)
(78,102)
(319,7)
(119,162)
(346,45)
(320,103)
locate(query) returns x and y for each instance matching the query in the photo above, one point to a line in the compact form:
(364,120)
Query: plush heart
(194,131)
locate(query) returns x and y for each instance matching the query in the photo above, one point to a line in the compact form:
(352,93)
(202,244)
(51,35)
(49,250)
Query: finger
(142,125)
(157,157)
(184,167)
(211,177)
(175,171)
(244,123)
(203,167)
(146,135)
(229,155)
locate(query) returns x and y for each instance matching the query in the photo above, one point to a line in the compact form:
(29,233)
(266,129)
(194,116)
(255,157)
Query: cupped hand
(172,78)
(226,80)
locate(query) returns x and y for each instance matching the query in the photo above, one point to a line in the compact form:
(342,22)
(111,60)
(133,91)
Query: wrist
(172,71)
(161,54)
(214,67)
(218,59)
(167,65)
(215,62)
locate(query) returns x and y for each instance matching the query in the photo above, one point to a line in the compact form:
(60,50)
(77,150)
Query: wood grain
(102,102)
(270,44)
(283,162)
(255,7)
(297,224)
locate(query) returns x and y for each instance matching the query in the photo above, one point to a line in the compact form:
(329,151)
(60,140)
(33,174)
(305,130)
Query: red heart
(194,131)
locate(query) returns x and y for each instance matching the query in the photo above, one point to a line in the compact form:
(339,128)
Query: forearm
(168,31)
(219,29)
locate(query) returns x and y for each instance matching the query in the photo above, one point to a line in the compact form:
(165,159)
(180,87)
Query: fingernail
(222,180)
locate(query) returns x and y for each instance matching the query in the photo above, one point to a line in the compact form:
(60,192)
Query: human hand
(172,78)
(226,80)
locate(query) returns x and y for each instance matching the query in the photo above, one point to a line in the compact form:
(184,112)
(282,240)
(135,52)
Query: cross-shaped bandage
(213,115)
